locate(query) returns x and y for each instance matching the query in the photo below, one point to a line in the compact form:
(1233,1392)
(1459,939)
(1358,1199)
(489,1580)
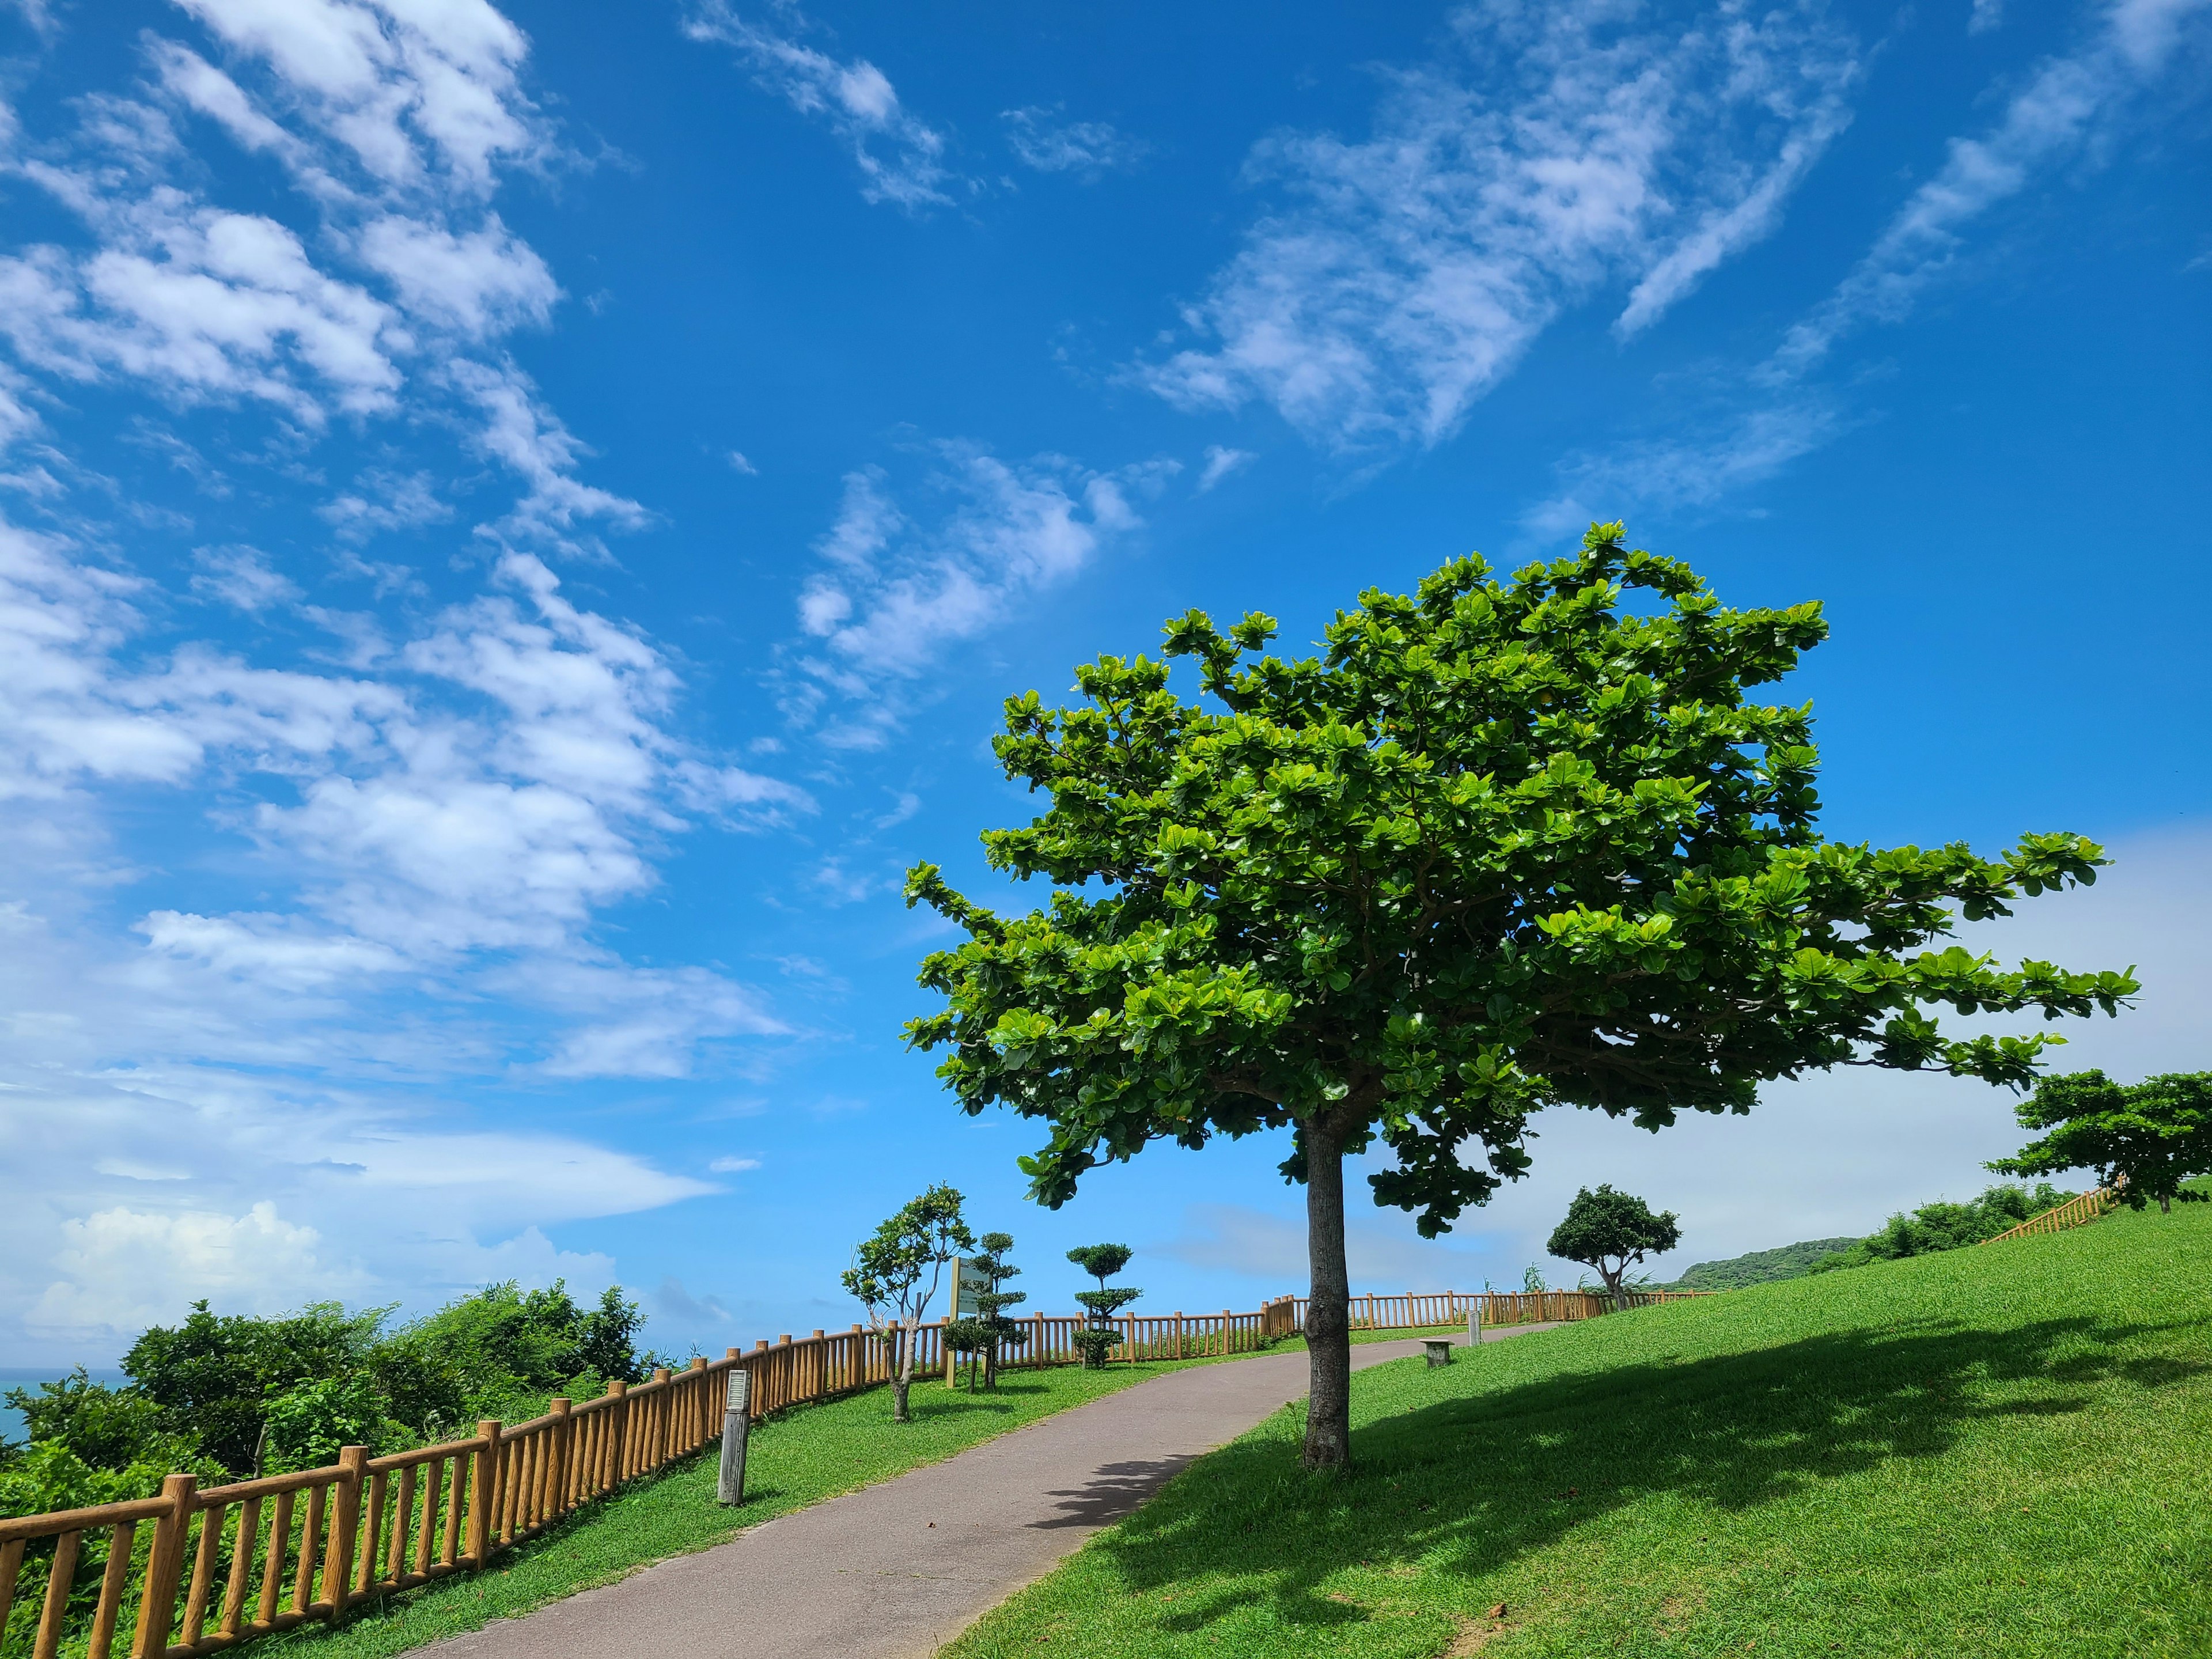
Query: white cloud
(478,284)
(2066,101)
(529,439)
(1406,275)
(901,157)
(122,1270)
(241,577)
(1987,14)
(733,1165)
(202,304)
(382,500)
(1220,462)
(260,1193)
(897,593)
(2068,104)
(1745,448)
(418,95)
(1041,140)
(739,464)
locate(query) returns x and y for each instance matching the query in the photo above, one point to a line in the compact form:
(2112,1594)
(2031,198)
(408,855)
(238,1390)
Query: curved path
(897,1570)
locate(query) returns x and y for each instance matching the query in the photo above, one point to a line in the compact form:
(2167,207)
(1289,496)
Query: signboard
(968,1282)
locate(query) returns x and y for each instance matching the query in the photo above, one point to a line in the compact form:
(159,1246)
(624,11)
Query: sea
(11,1421)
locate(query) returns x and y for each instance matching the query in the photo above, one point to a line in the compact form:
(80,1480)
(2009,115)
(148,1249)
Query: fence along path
(201,1569)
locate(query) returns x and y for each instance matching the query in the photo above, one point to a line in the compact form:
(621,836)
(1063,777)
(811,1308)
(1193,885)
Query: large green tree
(1504,844)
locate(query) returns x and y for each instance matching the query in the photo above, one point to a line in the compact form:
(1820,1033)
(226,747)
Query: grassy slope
(796,1458)
(1999,1451)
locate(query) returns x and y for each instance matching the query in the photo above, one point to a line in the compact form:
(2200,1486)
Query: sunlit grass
(2002,1451)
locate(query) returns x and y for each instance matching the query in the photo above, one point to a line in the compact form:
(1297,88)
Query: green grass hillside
(1760,1267)
(2004,1451)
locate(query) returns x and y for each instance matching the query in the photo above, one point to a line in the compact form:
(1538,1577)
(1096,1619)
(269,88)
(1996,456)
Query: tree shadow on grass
(1476,1481)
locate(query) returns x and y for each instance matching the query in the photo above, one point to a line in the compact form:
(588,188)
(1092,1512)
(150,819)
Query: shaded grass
(2000,1451)
(797,1457)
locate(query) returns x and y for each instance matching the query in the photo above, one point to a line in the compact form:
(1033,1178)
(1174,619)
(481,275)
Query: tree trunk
(2166,1206)
(902,1373)
(1329,1313)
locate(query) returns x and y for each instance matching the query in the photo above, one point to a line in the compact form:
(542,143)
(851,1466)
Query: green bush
(1942,1226)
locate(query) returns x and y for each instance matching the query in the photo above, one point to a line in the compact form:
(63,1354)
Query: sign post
(968,1282)
(737,1425)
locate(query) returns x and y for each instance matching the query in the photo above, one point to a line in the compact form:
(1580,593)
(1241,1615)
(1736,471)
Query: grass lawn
(796,1458)
(2002,1451)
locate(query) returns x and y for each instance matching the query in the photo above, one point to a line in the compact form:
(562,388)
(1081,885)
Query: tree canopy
(1503,844)
(2143,1139)
(1610,1231)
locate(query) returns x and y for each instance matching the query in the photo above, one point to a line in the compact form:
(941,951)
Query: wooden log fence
(199,1570)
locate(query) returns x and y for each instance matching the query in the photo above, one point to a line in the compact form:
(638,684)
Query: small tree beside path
(895,1272)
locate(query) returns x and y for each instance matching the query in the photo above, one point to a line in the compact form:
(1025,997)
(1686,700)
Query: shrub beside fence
(200,1570)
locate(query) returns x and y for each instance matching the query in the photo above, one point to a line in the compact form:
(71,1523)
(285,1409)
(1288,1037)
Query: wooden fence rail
(2074,1212)
(204,1569)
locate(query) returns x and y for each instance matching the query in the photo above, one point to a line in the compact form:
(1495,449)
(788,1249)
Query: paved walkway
(895,1570)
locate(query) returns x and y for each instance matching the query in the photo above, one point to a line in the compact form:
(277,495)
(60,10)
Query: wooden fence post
(617,1431)
(483,1480)
(346,1521)
(656,1436)
(557,1495)
(157,1608)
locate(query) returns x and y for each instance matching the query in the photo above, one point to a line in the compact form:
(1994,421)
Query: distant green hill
(1761,1266)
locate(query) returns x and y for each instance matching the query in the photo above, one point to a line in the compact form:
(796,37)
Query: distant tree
(1532,1282)
(895,1272)
(1099,1335)
(2143,1139)
(1502,845)
(1610,1231)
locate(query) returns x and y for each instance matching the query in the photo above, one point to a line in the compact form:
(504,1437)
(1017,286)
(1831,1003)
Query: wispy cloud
(1778,410)
(1040,139)
(1745,448)
(1220,462)
(2066,102)
(897,589)
(1403,277)
(900,156)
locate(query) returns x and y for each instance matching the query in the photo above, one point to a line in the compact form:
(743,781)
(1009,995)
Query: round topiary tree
(1101,1262)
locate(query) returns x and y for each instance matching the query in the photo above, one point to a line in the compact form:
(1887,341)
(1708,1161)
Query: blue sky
(514,526)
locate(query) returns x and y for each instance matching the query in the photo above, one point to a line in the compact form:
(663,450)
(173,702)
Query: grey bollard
(1474,1326)
(737,1424)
